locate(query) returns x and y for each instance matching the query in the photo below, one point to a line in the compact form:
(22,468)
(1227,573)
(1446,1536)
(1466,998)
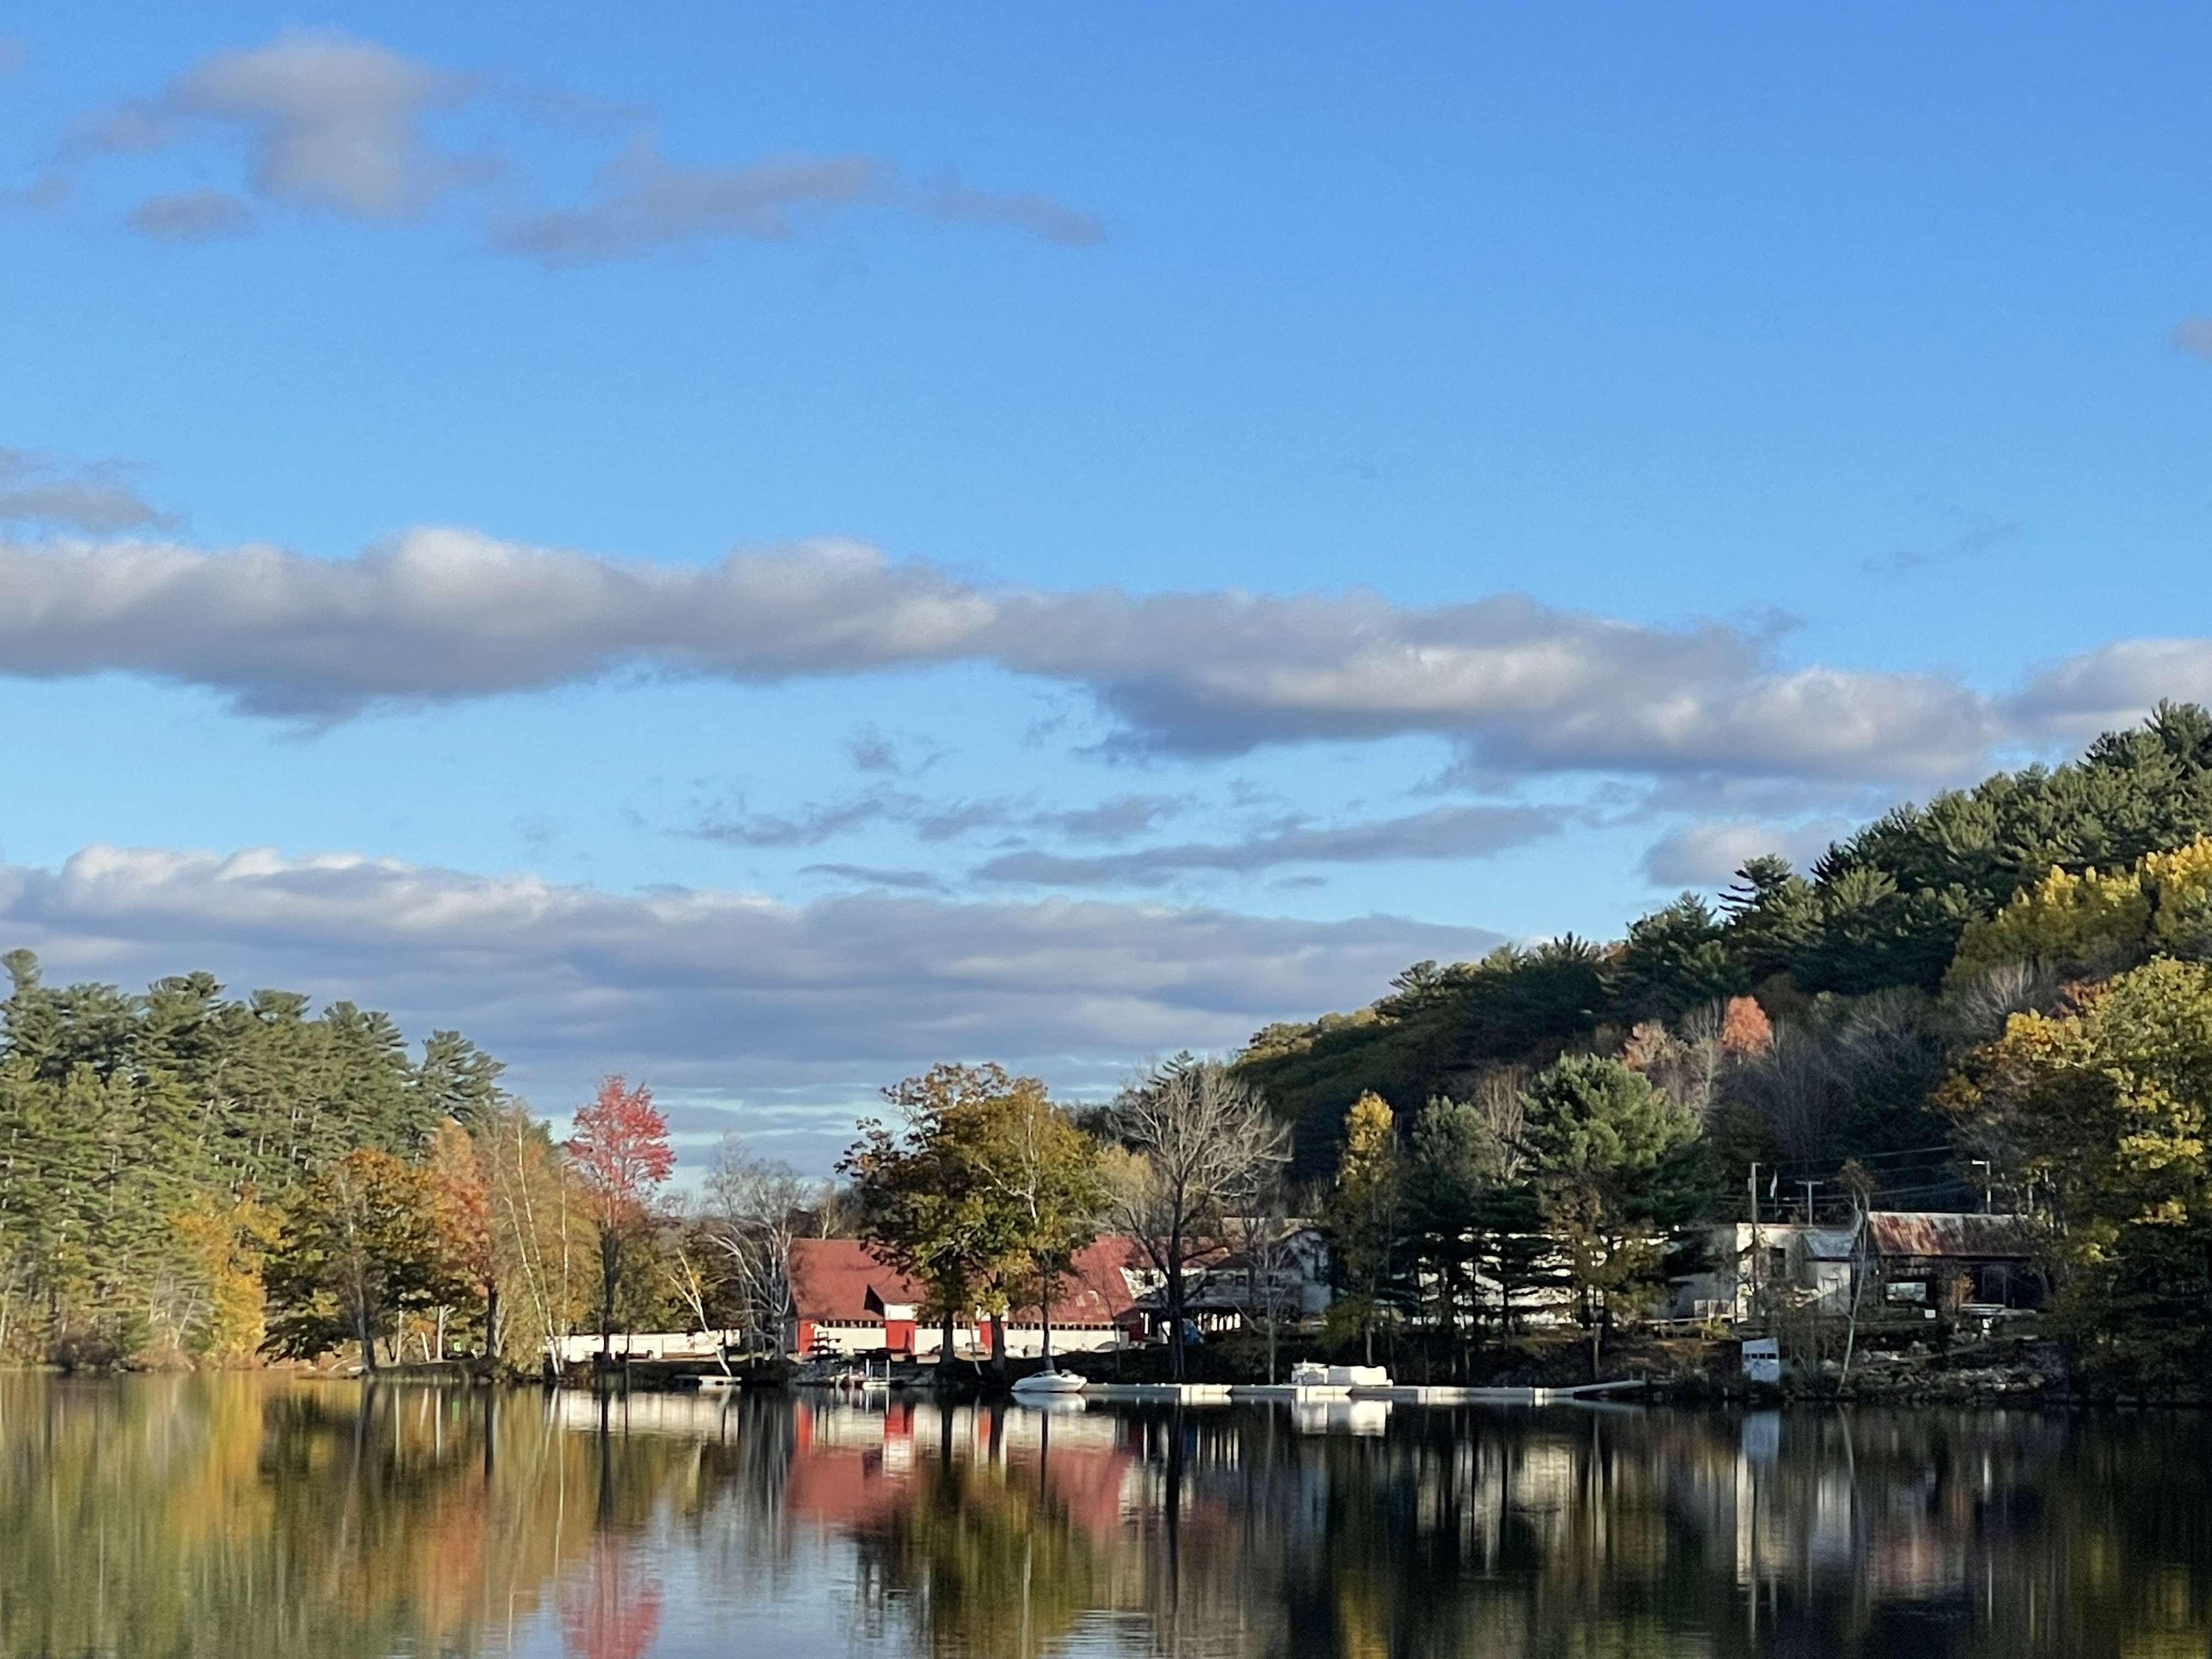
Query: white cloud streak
(439,615)
(1708,854)
(2115,685)
(1117,819)
(331,123)
(1442,832)
(43,490)
(708,991)
(642,202)
(191,216)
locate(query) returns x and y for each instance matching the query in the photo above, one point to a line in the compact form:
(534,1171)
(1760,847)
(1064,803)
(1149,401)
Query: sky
(762,547)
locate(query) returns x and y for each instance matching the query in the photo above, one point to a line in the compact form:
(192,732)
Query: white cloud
(2113,685)
(1025,211)
(1118,818)
(644,202)
(43,490)
(1442,832)
(872,749)
(191,216)
(870,875)
(641,202)
(1707,854)
(715,993)
(438,615)
(332,122)
(1527,687)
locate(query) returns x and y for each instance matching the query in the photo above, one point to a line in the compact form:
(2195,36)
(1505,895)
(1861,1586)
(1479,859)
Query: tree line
(1999,996)
(187,1177)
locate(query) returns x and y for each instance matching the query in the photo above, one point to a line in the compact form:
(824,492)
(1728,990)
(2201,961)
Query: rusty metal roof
(1957,1237)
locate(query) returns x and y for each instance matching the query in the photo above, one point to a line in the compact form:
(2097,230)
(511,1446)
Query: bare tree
(1499,1099)
(537,1228)
(1793,1092)
(689,1262)
(1265,1235)
(754,1209)
(1979,1007)
(1201,1145)
(1693,1078)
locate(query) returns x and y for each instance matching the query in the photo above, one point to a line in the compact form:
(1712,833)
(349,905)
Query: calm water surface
(245,1516)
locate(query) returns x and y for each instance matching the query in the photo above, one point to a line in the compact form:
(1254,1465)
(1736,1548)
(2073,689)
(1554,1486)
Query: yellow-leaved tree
(2097,1121)
(220,1243)
(2098,922)
(1363,1215)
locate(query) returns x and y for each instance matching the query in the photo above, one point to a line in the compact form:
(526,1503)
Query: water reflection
(247,1517)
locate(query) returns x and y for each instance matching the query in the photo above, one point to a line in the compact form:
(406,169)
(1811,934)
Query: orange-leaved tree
(464,1201)
(621,1151)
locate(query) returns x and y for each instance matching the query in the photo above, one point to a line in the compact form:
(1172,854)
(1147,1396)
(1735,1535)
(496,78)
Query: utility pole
(1982,1164)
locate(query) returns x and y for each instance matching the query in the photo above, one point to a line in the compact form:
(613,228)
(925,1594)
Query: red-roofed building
(849,1302)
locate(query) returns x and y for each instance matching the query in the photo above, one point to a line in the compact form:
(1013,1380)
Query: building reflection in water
(248,1517)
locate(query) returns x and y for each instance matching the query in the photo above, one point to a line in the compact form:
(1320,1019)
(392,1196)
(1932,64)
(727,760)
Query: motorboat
(1048,1384)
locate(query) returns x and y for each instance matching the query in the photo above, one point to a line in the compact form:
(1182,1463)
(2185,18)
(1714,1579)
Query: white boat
(1309,1377)
(1048,1383)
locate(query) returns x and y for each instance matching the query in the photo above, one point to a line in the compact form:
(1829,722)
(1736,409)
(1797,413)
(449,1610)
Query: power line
(1868,1157)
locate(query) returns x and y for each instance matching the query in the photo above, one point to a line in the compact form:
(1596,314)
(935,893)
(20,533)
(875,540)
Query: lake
(241,1516)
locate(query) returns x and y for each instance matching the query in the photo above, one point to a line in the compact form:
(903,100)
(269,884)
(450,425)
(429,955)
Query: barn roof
(1952,1236)
(832,1279)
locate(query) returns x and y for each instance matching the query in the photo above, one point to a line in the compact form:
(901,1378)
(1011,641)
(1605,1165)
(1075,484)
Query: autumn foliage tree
(2093,1118)
(361,1247)
(1362,1214)
(621,1152)
(928,1203)
(463,1198)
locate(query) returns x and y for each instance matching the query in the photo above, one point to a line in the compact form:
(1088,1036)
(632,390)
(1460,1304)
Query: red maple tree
(621,1152)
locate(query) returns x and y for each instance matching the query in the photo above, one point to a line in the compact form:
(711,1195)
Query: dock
(1222,1394)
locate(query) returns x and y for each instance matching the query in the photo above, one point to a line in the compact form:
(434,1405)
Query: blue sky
(764,547)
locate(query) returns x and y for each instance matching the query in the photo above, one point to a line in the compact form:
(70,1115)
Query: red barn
(850,1302)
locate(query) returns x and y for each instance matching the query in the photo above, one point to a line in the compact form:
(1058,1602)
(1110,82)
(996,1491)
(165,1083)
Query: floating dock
(1222,1394)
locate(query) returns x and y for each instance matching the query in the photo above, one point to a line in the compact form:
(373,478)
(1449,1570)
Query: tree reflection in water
(253,1517)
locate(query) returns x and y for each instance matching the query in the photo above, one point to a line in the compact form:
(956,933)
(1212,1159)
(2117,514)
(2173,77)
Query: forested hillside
(1848,961)
(1999,999)
(146,1140)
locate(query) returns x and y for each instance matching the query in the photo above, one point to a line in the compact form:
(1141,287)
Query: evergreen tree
(1613,1161)
(131,1124)
(1675,959)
